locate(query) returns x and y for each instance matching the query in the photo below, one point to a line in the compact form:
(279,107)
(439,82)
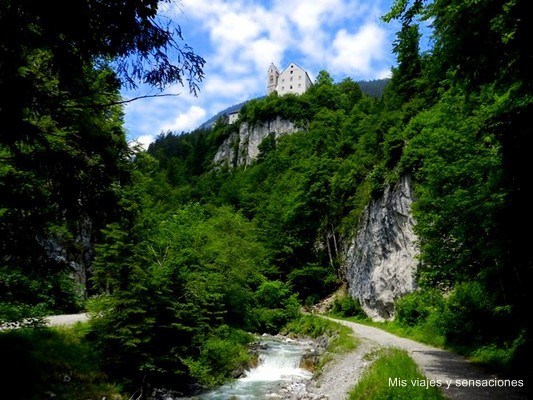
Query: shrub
(312,326)
(58,361)
(467,315)
(414,308)
(222,356)
(346,306)
(341,337)
(24,295)
(276,305)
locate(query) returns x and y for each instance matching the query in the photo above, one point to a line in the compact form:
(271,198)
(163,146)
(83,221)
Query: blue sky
(240,38)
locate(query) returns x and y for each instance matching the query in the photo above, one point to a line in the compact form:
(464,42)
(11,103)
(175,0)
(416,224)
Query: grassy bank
(394,375)
(54,363)
(64,364)
(422,334)
(340,338)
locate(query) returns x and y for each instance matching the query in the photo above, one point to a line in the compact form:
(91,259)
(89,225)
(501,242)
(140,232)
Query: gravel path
(340,375)
(437,364)
(68,319)
(53,320)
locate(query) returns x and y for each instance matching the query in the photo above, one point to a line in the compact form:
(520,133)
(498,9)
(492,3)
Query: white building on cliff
(292,79)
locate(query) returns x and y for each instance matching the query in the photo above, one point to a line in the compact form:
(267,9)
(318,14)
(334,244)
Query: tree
(351,93)
(323,78)
(404,85)
(493,55)
(59,186)
(494,48)
(324,93)
(481,51)
(172,275)
(62,147)
(405,76)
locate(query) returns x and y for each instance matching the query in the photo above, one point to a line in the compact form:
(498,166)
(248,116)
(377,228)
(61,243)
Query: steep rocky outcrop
(380,262)
(242,147)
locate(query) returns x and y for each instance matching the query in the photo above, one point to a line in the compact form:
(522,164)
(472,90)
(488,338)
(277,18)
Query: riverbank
(341,372)
(54,363)
(279,374)
(336,367)
(290,363)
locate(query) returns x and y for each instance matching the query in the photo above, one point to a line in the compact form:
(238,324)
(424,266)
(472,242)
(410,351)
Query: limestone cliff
(242,147)
(380,262)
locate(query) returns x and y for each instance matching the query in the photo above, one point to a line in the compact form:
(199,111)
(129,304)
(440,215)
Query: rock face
(380,262)
(242,147)
(76,255)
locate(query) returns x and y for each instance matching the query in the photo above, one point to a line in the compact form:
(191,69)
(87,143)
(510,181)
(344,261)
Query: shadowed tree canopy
(127,32)
(479,41)
(63,152)
(481,51)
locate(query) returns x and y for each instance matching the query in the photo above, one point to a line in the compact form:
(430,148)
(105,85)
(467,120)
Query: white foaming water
(278,364)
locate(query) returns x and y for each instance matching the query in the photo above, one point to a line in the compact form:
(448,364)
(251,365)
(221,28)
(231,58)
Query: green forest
(181,259)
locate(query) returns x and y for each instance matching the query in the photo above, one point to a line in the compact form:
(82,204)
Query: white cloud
(144,141)
(357,52)
(234,29)
(384,73)
(221,87)
(264,51)
(152,114)
(315,23)
(248,35)
(240,38)
(187,120)
(309,16)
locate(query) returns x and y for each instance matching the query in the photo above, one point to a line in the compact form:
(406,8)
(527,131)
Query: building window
(271,79)
(299,85)
(300,77)
(292,72)
(283,80)
(283,88)
(291,78)
(291,86)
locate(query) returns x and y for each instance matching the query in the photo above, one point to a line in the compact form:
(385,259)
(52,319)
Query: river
(279,366)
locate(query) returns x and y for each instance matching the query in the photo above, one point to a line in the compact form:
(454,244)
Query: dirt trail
(436,364)
(53,320)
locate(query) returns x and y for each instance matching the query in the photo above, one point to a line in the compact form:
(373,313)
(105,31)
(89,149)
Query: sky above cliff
(240,38)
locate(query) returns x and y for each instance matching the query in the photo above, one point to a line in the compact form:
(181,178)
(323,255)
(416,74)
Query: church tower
(273,75)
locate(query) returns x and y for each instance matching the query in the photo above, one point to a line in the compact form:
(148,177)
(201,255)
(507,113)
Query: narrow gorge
(379,260)
(387,191)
